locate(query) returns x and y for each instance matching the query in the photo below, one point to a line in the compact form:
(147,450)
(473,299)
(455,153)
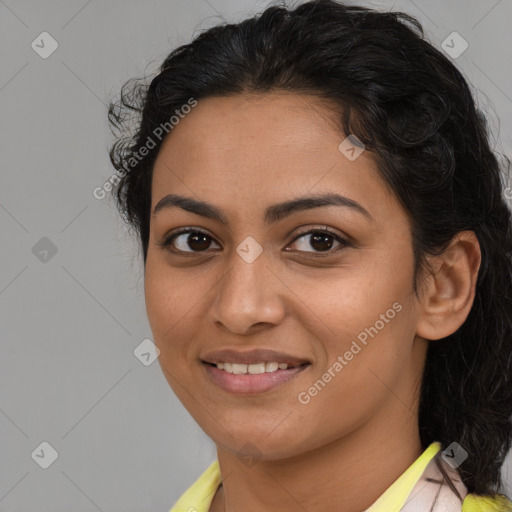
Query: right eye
(187,240)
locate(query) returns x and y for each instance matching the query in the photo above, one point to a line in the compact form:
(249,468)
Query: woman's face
(251,281)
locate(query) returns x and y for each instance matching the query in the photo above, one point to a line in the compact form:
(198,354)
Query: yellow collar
(397,493)
(200,495)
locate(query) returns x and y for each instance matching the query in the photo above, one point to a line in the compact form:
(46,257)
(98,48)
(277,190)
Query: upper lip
(252,356)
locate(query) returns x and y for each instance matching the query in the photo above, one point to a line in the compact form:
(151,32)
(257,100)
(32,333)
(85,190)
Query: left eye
(321,241)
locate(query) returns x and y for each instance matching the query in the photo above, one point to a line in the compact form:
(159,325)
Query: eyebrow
(273,213)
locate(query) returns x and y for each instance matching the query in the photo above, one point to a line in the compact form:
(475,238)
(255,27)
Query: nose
(249,296)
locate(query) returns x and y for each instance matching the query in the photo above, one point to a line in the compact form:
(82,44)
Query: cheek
(158,298)
(169,307)
(357,378)
(167,292)
(345,305)
(175,310)
(365,317)
(168,301)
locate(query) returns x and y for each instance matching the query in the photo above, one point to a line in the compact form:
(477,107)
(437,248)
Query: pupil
(196,238)
(322,238)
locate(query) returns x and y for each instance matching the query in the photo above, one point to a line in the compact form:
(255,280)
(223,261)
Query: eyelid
(322,228)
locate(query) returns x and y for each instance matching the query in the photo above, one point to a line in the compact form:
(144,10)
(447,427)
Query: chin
(259,445)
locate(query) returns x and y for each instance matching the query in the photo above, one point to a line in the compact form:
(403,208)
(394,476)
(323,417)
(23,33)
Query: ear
(448,291)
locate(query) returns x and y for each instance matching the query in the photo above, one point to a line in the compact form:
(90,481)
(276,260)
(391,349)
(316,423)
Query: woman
(327,257)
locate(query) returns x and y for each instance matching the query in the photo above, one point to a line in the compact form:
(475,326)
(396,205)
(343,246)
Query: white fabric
(424,492)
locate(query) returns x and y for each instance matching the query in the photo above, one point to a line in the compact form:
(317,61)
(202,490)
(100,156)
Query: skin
(360,433)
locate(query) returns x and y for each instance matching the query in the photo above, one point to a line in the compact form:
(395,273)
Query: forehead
(223,126)
(261,148)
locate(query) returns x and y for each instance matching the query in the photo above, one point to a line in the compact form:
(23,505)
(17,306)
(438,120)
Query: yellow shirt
(199,496)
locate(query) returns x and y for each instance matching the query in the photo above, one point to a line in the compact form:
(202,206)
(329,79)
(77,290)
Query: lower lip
(251,383)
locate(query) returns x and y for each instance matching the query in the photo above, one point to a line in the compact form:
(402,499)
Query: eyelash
(324,229)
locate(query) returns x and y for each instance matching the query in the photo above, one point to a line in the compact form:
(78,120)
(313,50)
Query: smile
(252,378)
(253,369)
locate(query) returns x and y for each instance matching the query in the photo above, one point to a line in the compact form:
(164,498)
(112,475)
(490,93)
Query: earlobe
(448,291)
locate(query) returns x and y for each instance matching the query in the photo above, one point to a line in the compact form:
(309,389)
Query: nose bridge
(247,294)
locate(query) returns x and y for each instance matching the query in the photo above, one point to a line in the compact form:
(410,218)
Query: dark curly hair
(415,112)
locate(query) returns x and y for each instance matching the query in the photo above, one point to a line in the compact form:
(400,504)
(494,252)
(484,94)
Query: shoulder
(496,503)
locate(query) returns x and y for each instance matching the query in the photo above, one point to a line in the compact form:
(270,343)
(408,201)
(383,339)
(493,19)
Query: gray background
(69,325)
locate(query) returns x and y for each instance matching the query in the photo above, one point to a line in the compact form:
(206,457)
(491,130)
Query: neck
(352,471)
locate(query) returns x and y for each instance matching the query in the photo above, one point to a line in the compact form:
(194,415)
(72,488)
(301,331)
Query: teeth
(272,367)
(252,369)
(239,368)
(256,368)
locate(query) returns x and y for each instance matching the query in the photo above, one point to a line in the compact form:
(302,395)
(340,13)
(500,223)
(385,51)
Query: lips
(253,384)
(252,357)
